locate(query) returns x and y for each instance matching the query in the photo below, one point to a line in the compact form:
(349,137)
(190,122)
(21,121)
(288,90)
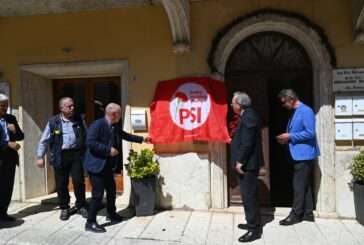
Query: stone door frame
(36,107)
(323,97)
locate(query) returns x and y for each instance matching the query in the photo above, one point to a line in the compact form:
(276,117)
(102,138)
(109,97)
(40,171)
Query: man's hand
(113,152)
(11,128)
(147,139)
(14,145)
(283,138)
(238,168)
(40,163)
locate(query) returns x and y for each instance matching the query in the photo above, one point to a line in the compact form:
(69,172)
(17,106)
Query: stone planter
(358,190)
(143,192)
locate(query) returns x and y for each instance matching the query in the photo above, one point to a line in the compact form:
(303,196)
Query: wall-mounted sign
(348,80)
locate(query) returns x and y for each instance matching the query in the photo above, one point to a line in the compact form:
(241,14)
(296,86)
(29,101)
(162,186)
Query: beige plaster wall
(143,36)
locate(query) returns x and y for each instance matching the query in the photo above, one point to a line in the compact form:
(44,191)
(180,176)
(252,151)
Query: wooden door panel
(90,96)
(257,89)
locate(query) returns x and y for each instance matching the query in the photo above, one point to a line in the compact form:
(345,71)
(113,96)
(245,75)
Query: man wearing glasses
(246,160)
(300,137)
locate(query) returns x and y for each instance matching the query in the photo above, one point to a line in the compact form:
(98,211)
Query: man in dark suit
(301,140)
(9,157)
(103,141)
(246,160)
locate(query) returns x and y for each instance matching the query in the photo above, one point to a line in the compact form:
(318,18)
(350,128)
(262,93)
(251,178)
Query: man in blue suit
(103,141)
(302,148)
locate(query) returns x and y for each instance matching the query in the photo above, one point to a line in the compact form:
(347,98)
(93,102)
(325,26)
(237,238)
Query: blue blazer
(303,144)
(99,143)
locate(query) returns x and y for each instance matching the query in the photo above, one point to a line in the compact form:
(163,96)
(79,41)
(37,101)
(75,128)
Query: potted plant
(142,170)
(357,171)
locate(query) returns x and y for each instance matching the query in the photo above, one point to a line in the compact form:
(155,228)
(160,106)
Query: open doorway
(90,95)
(262,65)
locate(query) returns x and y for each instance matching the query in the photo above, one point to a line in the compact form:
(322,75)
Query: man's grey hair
(288,94)
(61,101)
(3,98)
(112,107)
(242,99)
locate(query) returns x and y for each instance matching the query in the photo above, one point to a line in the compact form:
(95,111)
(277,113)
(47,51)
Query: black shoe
(114,217)
(309,217)
(83,211)
(289,220)
(94,227)
(65,214)
(243,226)
(7,218)
(250,236)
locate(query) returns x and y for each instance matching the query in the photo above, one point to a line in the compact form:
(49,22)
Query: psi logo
(190,106)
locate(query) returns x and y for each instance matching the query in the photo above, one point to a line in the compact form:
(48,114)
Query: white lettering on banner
(190,106)
(348,80)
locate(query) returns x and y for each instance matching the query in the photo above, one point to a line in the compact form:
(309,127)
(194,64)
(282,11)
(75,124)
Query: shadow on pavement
(7,225)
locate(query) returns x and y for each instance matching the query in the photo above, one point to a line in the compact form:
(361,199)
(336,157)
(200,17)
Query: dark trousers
(101,181)
(302,195)
(248,190)
(7,175)
(71,164)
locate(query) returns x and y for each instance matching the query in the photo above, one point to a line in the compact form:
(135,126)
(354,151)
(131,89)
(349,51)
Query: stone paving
(40,224)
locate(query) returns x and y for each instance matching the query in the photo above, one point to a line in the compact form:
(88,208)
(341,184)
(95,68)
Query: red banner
(191,108)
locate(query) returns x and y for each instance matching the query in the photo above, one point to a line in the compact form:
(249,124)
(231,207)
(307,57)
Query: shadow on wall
(163,202)
(316,181)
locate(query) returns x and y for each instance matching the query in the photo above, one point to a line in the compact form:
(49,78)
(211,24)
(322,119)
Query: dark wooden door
(262,65)
(256,87)
(90,96)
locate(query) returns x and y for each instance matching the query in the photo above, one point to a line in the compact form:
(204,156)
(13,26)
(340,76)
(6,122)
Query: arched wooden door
(262,65)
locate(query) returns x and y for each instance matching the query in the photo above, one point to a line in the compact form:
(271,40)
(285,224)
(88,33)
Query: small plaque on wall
(348,80)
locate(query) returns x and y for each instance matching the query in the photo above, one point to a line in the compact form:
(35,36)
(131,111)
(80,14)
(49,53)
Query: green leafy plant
(141,165)
(357,168)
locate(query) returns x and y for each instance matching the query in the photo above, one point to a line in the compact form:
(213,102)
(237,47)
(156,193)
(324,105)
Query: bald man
(103,141)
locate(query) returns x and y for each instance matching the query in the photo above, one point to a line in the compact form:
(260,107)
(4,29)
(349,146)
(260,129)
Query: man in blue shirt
(300,137)
(10,133)
(65,136)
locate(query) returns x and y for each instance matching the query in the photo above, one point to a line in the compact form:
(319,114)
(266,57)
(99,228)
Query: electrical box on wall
(343,129)
(358,105)
(343,105)
(358,128)
(138,120)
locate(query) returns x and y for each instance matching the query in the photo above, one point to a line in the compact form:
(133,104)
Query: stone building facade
(143,42)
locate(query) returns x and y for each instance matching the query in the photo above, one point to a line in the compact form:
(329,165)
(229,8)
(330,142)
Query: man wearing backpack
(64,139)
